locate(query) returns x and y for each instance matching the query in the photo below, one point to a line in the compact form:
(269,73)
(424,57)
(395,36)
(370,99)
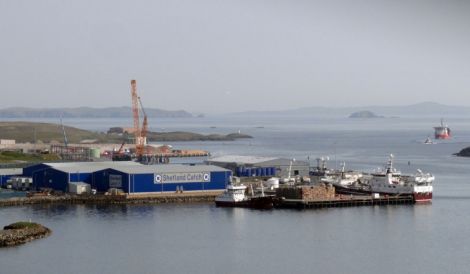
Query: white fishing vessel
(235,196)
(392,182)
(388,181)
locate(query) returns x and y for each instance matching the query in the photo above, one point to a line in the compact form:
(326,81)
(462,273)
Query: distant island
(88,112)
(364,114)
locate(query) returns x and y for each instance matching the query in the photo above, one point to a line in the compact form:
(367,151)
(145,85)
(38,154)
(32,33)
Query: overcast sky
(223,56)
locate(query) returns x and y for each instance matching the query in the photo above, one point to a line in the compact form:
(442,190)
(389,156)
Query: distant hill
(364,114)
(24,132)
(86,112)
(421,109)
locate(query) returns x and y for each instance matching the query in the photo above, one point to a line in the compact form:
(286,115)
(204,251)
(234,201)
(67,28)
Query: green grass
(14,156)
(21,225)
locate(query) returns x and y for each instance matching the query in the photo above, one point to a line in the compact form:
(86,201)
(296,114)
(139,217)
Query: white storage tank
(79,188)
(272,183)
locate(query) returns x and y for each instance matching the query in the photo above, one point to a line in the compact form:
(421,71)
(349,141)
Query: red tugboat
(442,131)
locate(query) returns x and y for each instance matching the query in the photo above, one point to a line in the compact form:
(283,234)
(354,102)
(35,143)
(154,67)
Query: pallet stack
(307,193)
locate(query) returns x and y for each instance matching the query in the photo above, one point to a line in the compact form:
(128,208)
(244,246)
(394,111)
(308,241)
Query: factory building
(57,176)
(7,173)
(130,177)
(162,178)
(248,166)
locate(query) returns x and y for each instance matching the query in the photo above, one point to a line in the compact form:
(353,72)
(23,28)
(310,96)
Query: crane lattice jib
(144,129)
(135,113)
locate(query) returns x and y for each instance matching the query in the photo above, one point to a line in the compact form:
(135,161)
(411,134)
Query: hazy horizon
(213,56)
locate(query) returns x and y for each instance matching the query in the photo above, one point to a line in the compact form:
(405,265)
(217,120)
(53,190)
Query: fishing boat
(235,196)
(442,131)
(388,181)
(392,182)
(428,141)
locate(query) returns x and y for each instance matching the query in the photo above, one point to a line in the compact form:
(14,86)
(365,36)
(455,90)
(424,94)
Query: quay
(349,201)
(205,197)
(166,198)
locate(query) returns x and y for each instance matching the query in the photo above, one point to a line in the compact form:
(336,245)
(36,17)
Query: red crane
(139,133)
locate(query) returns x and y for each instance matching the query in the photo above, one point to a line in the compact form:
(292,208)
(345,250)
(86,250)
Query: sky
(216,56)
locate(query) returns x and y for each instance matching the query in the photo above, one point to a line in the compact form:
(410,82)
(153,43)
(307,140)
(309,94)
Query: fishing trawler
(234,196)
(442,131)
(392,182)
(383,182)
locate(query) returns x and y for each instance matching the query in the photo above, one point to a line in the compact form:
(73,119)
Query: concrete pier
(348,201)
(165,198)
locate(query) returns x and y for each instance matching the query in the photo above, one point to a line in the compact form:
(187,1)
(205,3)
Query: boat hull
(418,197)
(266,202)
(442,136)
(422,197)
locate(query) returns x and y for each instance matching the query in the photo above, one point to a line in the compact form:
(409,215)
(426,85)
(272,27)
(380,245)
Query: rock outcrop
(464,152)
(22,232)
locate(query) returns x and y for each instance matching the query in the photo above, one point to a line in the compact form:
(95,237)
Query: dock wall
(202,197)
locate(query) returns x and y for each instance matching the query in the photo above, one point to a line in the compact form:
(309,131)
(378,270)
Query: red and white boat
(392,182)
(442,131)
(383,182)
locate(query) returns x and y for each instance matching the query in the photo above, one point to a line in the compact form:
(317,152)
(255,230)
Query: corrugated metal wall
(100,180)
(142,183)
(81,177)
(50,178)
(4,179)
(28,171)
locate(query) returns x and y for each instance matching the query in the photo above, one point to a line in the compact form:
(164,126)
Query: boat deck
(346,201)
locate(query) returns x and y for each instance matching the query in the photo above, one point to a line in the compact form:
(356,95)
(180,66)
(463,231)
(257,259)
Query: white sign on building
(169,178)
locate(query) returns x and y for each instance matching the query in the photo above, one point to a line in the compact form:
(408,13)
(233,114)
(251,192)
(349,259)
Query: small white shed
(79,188)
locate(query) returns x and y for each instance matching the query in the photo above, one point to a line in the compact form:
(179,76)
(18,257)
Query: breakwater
(113,199)
(22,232)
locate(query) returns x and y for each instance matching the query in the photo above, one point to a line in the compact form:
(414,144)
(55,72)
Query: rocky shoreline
(464,152)
(22,232)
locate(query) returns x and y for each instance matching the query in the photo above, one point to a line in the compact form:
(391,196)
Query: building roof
(11,171)
(238,159)
(256,160)
(169,168)
(89,167)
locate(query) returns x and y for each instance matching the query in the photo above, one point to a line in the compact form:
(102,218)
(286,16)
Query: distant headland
(31,132)
(88,112)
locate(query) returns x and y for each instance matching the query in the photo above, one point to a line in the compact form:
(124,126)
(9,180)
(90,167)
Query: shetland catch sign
(169,178)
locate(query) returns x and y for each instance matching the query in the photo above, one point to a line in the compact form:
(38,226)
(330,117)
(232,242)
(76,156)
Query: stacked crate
(307,193)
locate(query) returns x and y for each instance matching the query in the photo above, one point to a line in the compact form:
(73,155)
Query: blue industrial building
(130,177)
(162,178)
(6,174)
(58,175)
(249,166)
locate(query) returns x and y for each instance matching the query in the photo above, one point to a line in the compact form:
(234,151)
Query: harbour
(170,235)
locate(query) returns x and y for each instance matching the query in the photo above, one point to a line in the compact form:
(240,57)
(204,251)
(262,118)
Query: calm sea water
(200,238)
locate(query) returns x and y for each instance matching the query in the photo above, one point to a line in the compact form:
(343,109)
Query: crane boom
(140,133)
(144,130)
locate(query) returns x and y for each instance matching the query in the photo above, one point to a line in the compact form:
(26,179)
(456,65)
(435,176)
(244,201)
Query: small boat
(428,141)
(234,196)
